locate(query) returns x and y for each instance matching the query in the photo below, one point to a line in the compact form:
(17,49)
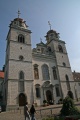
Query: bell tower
(62,62)
(18,64)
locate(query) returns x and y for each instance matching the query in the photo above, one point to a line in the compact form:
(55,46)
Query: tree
(69,108)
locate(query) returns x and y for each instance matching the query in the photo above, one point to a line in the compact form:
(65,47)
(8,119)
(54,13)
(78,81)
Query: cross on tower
(18,13)
(49,24)
(40,39)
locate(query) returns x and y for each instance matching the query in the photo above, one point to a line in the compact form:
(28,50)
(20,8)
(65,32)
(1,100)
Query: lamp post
(75,92)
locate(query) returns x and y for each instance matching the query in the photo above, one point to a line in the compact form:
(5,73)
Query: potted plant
(45,102)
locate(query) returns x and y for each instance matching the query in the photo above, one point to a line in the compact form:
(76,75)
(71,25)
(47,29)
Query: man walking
(26,112)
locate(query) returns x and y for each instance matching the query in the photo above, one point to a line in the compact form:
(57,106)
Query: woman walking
(32,111)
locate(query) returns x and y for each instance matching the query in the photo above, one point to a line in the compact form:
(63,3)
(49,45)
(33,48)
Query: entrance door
(48,95)
(22,99)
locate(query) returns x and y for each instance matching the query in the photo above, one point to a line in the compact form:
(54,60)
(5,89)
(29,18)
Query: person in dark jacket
(26,112)
(32,112)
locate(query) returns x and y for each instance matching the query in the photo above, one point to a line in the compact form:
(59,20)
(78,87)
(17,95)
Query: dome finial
(18,13)
(49,24)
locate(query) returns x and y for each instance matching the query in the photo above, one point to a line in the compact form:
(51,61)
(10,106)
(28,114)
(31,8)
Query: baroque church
(38,74)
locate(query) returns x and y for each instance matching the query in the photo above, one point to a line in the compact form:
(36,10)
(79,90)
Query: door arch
(49,95)
(22,99)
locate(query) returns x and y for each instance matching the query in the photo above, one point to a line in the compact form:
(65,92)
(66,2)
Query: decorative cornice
(66,81)
(17,80)
(20,43)
(63,66)
(20,61)
(48,57)
(22,29)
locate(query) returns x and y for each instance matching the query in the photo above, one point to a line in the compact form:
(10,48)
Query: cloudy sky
(64,16)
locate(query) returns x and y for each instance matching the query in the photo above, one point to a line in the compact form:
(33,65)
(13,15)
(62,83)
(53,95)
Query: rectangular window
(57,91)
(38,92)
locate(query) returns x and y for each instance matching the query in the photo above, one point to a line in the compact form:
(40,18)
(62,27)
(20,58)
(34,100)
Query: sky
(64,16)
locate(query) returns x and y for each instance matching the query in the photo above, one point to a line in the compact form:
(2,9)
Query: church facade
(38,74)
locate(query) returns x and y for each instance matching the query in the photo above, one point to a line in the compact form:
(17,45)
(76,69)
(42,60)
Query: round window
(21,57)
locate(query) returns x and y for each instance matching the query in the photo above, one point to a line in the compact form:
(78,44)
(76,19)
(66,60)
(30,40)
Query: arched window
(54,73)
(21,81)
(36,73)
(49,49)
(45,72)
(21,75)
(64,64)
(60,48)
(21,38)
(37,87)
(67,82)
(21,57)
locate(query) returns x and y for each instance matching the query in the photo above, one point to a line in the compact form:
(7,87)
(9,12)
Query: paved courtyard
(41,112)
(11,116)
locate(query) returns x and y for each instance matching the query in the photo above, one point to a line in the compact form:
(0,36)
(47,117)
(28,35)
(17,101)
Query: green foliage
(69,108)
(44,101)
(59,118)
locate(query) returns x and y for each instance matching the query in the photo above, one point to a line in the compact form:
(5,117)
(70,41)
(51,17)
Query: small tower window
(60,48)
(21,57)
(21,75)
(51,36)
(67,82)
(64,64)
(49,49)
(54,73)
(21,38)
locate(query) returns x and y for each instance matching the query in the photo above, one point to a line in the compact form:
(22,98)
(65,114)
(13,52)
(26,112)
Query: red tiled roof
(1,74)
(76,76)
